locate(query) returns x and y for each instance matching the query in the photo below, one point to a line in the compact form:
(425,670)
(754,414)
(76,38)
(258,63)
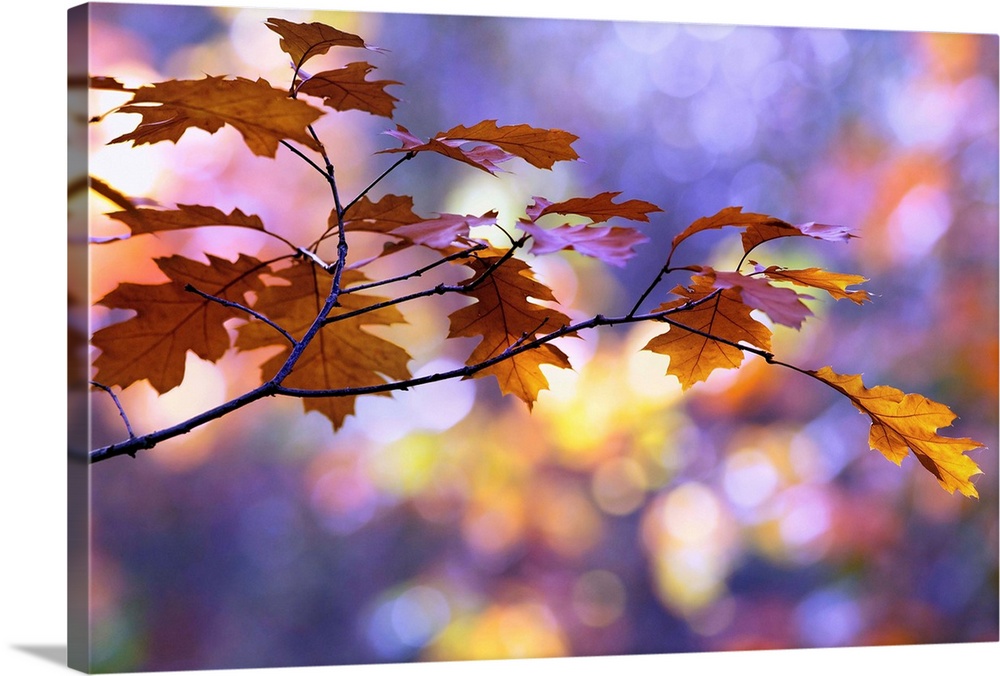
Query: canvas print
(410,337)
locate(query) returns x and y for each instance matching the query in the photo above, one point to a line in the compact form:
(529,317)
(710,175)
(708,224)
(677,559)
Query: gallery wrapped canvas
(411,337)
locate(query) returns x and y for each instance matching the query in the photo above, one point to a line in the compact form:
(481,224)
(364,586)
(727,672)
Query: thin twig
(304,157)
(438,290)
(329,231)
(465,253)
(121,411)
(243,308)
(314,257)
(404,158)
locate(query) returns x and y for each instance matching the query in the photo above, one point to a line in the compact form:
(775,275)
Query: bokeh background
(621,516)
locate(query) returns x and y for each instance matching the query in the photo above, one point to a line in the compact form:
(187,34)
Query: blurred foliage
(620,516)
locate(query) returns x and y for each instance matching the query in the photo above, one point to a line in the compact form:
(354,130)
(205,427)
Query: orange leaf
(693,356)
(539,147)
(598,209)
(758,228)
(143,221)
(504,318)
(613,245)
(116,196)
(104,82)
(302,41)
(171,320)
(834,283)
(262,114)
(342,355)
(909,422)
(389,213)
(347,89)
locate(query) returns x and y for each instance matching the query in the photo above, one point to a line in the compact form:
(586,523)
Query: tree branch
(438,290)
(341,213)
(273,387)
(465,253)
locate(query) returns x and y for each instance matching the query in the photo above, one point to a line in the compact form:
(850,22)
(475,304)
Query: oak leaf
(909,422)
(503,318)
(441,232)
(302,41)
(117,197)
(614,245)
(834,283)
(780,304)
(711,313)
(105,82)
(598,209)
(263,115)
(170,320)
(347,89)
(539,147)
(143,220)
(342,355)
(759,228)
(384,216)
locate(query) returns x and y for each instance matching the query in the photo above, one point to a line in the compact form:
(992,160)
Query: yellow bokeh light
(512,630)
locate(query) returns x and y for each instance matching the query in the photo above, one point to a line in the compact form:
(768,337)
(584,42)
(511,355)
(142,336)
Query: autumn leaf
(763,233)
(393,216)
(109,83)
(263,115)
(302,41)
(142,221)
(347,89)
(441,232)
(909,422)
(539,147)
(709,312)
(780,304)
(115,196)
(834,283)
(342,355)
(384,216)
(598,209)
(614,245)
(170,320)
(759,228)
(504,317)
